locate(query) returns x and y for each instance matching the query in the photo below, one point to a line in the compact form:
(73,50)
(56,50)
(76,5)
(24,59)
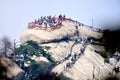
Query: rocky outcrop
(42,36)
(10,69)
(66,30)
(59,50)
(88,66)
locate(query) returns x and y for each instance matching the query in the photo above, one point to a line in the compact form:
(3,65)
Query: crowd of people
(46,22)
(56,22)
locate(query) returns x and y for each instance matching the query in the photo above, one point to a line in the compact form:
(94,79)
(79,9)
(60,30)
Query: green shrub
(52,77)
(34,68)
(106,55)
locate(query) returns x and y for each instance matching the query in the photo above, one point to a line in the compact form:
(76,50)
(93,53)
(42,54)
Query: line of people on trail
(76,55)
(73,58)
(46,22)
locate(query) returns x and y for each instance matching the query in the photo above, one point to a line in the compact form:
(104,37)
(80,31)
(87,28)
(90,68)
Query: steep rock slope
(89,66)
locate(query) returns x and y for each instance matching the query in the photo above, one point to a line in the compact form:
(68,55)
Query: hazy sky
(15,14)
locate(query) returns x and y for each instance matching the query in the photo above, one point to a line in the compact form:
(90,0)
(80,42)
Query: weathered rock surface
(89,66)
(59,50)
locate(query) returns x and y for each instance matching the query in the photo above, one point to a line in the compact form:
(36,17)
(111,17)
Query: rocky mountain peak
(71,45)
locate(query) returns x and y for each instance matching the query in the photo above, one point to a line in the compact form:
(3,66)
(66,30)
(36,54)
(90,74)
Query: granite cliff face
(67,40)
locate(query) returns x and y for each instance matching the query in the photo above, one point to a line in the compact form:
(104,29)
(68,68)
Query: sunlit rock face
(38,59)
(10,70)
(88,66)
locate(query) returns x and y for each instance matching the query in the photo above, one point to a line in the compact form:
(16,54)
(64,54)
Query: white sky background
(15,14)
